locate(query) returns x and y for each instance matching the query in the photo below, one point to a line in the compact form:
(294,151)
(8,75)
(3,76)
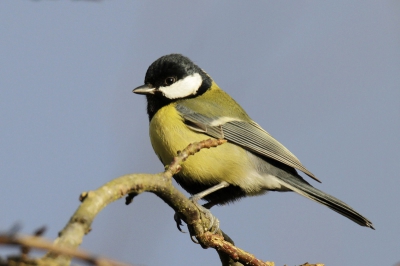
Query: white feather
(223,120)
(183,88)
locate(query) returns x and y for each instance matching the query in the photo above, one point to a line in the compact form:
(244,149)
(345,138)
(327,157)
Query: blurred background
(321,77)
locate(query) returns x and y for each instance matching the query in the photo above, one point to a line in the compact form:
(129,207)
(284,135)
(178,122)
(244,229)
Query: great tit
(185,105)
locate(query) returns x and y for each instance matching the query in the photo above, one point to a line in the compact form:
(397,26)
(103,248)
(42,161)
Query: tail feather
(308,191)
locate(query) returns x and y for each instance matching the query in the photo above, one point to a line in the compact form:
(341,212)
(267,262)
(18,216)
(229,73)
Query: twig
(42,244)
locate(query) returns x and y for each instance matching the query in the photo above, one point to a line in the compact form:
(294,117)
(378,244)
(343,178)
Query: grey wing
(249,135)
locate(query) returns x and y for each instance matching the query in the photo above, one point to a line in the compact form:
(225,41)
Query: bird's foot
(213,226)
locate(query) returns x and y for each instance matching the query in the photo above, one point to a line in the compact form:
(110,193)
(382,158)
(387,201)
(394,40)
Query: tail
(303,188)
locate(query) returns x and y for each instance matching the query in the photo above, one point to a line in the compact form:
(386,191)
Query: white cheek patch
(183,88)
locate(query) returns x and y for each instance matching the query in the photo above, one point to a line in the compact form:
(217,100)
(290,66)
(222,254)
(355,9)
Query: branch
(28,242)
(160,184)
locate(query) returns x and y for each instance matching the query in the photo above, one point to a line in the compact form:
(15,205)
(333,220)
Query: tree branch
(28,242)
(160,184)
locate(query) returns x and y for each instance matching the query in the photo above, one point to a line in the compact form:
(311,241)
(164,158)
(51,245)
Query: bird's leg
(208,191)
(213,220)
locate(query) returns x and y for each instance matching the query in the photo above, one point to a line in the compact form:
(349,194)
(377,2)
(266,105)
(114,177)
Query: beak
(144,89)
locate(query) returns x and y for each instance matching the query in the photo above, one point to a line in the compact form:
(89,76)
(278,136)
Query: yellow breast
(169,134)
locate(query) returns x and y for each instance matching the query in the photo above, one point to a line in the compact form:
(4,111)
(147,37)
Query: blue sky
(322,77)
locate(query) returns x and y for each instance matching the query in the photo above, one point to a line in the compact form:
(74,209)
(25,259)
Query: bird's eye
(169,81)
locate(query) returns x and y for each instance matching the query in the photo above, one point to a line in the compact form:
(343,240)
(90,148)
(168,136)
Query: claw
(179,223)
(194,239)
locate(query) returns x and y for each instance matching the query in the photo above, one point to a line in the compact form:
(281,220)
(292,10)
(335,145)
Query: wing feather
(249,135)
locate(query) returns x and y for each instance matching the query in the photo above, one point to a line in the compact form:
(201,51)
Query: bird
(185,105)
